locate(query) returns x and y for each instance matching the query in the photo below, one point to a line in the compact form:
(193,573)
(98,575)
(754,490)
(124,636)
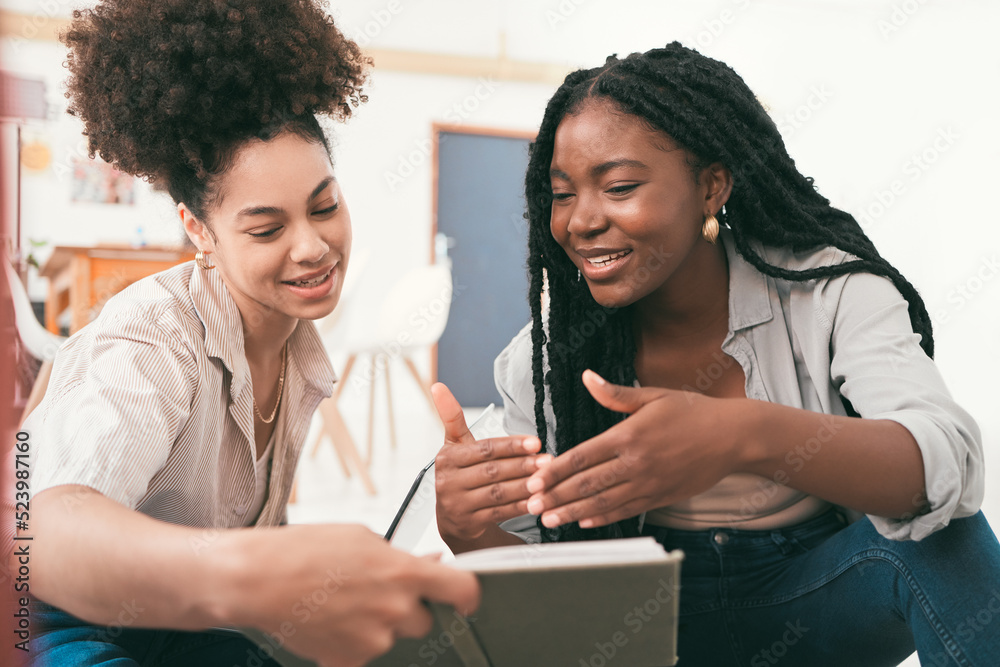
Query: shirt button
(721,538)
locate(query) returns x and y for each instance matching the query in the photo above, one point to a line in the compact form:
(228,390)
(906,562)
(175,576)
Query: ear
(718,183)
(199,233)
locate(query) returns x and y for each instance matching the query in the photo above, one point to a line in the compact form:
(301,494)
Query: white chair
(411,318)
(331,420)
(329,327)
(35,339)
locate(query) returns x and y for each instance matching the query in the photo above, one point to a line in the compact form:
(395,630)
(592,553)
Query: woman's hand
(674,445)
(479,483)
(338,594)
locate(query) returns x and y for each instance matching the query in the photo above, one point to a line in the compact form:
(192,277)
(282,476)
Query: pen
(420,475)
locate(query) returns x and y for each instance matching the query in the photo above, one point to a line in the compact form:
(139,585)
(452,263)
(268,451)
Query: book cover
(543,610)
(580,604)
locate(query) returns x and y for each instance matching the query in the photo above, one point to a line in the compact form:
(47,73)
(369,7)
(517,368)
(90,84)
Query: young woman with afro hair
(721,360)
(172,424)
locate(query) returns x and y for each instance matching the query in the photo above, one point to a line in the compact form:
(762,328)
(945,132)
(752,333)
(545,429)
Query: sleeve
(878,365)
(119,396)
(512,375)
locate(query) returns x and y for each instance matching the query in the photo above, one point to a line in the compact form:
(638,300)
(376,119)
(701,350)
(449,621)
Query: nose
(587,218)
(308,245)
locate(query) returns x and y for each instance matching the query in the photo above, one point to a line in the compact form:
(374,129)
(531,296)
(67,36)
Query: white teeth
(309,283)
(604,260)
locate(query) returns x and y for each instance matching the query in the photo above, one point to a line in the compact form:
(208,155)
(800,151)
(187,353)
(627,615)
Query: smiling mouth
(604,260)
(318,280)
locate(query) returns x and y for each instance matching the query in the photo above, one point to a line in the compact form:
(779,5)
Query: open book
(578,604)
(575,604)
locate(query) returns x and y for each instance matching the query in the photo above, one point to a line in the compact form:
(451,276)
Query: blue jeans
(827,593)
(62,640)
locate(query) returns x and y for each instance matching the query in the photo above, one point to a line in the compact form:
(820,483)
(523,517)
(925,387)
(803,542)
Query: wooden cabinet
(84,278)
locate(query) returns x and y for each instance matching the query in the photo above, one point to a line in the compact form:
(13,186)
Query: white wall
(46,210)
(872,95)
(889,105)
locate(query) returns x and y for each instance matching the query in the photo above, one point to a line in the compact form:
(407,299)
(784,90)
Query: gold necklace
(281,386)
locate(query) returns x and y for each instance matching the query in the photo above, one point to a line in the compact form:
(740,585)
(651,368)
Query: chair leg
(388,397)
(344,443)
(343,461)
(424,386)
(342,381)
(325,431)
(371,410)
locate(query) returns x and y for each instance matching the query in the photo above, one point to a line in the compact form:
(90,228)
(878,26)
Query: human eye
(264,235)
(561,195)
(329,210)
(622,189)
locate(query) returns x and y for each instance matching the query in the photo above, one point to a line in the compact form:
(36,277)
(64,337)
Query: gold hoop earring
(710,230)
(201,259)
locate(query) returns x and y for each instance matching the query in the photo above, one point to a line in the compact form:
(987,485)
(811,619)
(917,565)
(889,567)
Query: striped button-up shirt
(152,405)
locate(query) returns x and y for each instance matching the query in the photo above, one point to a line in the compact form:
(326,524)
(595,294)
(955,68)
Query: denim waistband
(732,541)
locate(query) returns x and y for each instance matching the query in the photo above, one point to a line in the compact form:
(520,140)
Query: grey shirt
(804,344)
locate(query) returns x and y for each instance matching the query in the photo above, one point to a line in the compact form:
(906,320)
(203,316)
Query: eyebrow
(601,169)
(277,210)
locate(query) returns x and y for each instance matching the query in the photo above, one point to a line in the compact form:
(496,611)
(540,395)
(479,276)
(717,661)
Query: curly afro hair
(169,89)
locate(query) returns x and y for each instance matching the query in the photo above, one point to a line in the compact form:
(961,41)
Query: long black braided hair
(706,108)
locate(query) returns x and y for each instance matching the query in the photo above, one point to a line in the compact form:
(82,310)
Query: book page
(565,554)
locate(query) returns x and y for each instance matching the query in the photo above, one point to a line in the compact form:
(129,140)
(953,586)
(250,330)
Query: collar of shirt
(307,360)
(749,289)
(224,337)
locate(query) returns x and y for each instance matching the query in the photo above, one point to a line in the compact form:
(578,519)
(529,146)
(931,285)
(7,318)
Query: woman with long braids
(171,427)
(720,359)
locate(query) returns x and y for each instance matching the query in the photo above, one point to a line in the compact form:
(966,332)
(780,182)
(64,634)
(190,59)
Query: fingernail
(531,444)
(535,506)
(543,460)
(597,378)
(587,523)
(535,484)
(550,520)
